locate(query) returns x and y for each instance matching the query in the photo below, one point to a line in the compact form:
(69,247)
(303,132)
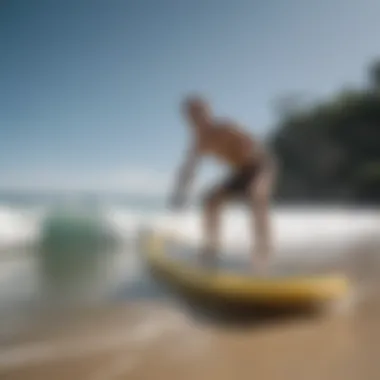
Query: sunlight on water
(94,254)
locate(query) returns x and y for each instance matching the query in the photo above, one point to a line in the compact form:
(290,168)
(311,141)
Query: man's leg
(211,228)
(260,196)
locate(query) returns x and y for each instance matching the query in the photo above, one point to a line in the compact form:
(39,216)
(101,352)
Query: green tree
(331,151)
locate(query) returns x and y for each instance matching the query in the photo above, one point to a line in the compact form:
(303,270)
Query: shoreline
(145,339)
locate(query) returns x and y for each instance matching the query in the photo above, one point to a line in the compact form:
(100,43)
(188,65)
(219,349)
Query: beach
(156,337)
(192,123)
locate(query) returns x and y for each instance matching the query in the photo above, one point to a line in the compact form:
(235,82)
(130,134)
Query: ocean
(312,233)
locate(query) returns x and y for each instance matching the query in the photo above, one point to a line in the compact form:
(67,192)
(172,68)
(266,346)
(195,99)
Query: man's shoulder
(226,123)
(231,126)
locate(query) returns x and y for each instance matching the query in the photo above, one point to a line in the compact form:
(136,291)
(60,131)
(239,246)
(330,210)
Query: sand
(160,340)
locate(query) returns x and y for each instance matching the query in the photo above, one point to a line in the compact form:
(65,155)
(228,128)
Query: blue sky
(89,89)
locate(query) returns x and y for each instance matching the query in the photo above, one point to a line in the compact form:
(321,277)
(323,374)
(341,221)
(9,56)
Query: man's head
(197,110)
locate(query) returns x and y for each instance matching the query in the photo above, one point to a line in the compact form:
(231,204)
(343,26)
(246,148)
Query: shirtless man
(251,178)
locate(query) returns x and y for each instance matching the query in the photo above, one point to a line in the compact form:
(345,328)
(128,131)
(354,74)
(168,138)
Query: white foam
(18,226)
(293,228)
(147,331)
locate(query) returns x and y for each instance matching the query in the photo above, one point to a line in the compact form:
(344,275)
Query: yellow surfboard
(241,288)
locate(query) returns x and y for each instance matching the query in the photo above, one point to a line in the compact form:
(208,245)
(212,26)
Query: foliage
(331,151)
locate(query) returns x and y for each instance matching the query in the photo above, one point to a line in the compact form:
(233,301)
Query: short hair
(195,102)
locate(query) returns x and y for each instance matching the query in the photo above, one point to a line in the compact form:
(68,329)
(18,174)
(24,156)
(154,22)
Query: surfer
(251,178)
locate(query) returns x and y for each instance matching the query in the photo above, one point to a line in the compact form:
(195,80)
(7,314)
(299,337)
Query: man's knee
(261,187)
(213,200)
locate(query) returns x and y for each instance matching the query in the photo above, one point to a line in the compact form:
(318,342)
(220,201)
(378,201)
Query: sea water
(307,233)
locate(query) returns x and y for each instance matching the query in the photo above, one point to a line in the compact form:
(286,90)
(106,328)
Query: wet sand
(159,340)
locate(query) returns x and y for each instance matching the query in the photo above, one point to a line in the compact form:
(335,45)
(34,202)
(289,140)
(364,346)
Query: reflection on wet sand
(153,337)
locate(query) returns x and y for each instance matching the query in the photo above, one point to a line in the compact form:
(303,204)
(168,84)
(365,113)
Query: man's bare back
(251,175)
(227,142)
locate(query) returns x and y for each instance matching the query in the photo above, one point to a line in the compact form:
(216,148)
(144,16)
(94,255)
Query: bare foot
(260,264)
(207,258)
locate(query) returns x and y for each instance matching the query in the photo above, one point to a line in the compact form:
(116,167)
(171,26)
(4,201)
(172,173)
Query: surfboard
(240,288)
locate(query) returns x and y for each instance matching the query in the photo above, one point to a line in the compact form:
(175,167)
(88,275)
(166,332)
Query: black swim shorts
(238,182)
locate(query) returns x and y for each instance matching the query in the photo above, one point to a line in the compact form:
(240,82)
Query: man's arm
(185,175)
